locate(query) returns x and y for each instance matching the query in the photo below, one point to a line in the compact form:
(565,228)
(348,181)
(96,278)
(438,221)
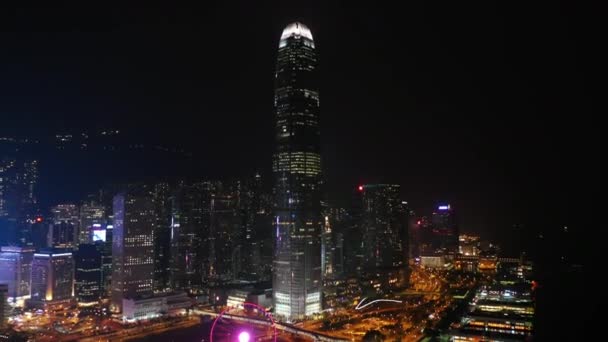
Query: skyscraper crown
(296,29)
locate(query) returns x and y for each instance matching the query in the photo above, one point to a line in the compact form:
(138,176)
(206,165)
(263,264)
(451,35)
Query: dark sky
(485,105)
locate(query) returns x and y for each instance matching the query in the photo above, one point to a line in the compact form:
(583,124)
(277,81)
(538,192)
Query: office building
(4,307)
(190,237)
(327,250)
(67,218)
(169,304)
(161,197)
(52,278)
(18,184)
(88,274)
(61,235)
(16,272)
(132,246)
(225,231)
(445,229)
(385,237)
(105,249)
(298,221)
(92,215)
(254,217)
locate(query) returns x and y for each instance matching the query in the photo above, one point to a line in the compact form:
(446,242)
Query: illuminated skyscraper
(52,277)
(189,237)
(297,177)
(132,246)
(385,235)
(18,179)
(445,229)
(16,271)
(88,275)
(162,237)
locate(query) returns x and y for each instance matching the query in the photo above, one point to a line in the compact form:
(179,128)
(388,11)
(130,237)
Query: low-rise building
(135,309)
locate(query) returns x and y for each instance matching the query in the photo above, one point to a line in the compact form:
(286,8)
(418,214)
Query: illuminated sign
(99,235)
(444,207)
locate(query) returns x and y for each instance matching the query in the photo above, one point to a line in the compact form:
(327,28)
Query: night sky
(487,106)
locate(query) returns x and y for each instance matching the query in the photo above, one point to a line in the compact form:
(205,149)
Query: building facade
(88,275)
(52,277)
(132,246)
(16,272)
(190,232)
(161,197)
(67,218)
(298,222)
(445,229)
(385,242)
(91,214)
(18,182)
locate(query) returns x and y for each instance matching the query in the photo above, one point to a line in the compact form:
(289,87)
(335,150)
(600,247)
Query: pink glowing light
(244,337)
(247,305)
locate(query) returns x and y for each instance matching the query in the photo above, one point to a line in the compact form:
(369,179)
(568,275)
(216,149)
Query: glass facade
(132,246)
(16,271)
(384,233)
(88,276)
(52,276)
(445,230)
(297,177)
(189,237)
(18,182)
(90,214)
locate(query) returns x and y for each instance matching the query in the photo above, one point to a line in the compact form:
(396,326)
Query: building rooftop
(296,29)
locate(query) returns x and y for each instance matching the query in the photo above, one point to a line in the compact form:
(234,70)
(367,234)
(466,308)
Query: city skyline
(434,110)
(374,171)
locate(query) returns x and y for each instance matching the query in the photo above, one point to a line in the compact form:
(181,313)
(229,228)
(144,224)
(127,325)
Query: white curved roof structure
(296,29)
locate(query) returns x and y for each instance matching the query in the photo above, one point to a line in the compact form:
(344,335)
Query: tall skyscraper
(16,271)
(18,179)
(225,231)
(252,214)
(189,237)
(385,239)
(297,282)
(161,196)
(132,246)
(445,229)
(105,248)
(52,277)
(88,276)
